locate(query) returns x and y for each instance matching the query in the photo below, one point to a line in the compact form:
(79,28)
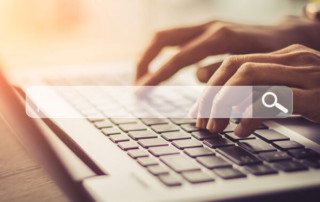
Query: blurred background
(39,33)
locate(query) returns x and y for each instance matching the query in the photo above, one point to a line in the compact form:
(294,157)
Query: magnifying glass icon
(275,102)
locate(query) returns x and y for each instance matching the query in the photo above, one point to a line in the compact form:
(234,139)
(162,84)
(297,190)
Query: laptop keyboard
(174,149)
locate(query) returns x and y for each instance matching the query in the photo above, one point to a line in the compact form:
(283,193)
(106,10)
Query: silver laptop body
(119,177)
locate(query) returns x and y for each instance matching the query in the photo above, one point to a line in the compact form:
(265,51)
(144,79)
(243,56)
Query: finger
(247,126)
(218,125)
(171,37)
(256,74)
(225,72)
(270,74)
(294,48)
(230,66)
(211,42)
(191,53)
(204,73)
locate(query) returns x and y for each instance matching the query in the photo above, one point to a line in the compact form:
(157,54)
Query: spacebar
(238,155)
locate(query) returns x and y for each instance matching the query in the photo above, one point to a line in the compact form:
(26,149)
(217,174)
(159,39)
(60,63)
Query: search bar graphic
(158,101)
(275,103)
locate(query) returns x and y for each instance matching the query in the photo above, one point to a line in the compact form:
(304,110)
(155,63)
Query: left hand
(218,37)
(295,66)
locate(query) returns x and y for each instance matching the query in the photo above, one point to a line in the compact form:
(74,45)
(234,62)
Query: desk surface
(22,179)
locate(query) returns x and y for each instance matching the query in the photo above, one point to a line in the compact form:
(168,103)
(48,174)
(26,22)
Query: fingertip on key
(198,123)
(209,125)
(204,124)
(240,131)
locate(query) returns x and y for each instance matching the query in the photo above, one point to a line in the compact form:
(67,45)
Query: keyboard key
(229,173)
(212,162)
(303,153)
(270,135)
(204,134)
(262,127)
(233,137)
(289,166)
(123,120)
(119,138)
(165,128)
(314,162)
(199,151)
(91,113)
(180,163)
(256,146)
(260,169)
(153,142)
(285,145)
(147,161)
(132,127)
(170,180)
(189,127)
(154,121)
(94,119)
(197,177)
(189,143)
(179,121)
(238,155)
(128,145)
(158,170)
(143,134)
(161,151)
(137,153)
(274,156)
(217,142)
(180,135)
(103,124)
(230,128)
(111,131)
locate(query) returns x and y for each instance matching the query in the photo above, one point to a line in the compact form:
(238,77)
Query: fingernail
(198,123)
(239,131)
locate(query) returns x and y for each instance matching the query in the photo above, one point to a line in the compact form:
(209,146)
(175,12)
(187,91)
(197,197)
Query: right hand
(217,37)
(296,66)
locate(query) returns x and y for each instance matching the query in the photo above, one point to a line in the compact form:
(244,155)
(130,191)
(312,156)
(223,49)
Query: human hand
(217,37)
(296,66)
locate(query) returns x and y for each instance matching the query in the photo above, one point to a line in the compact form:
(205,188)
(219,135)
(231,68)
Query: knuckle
(220,25)
(303,56)
(247,70)
(307,57)
(221,28)
(296,47)
(225,30)
(231,61)
(158,36)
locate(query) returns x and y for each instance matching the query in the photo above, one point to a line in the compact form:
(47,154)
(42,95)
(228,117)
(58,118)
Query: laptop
(156,159)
